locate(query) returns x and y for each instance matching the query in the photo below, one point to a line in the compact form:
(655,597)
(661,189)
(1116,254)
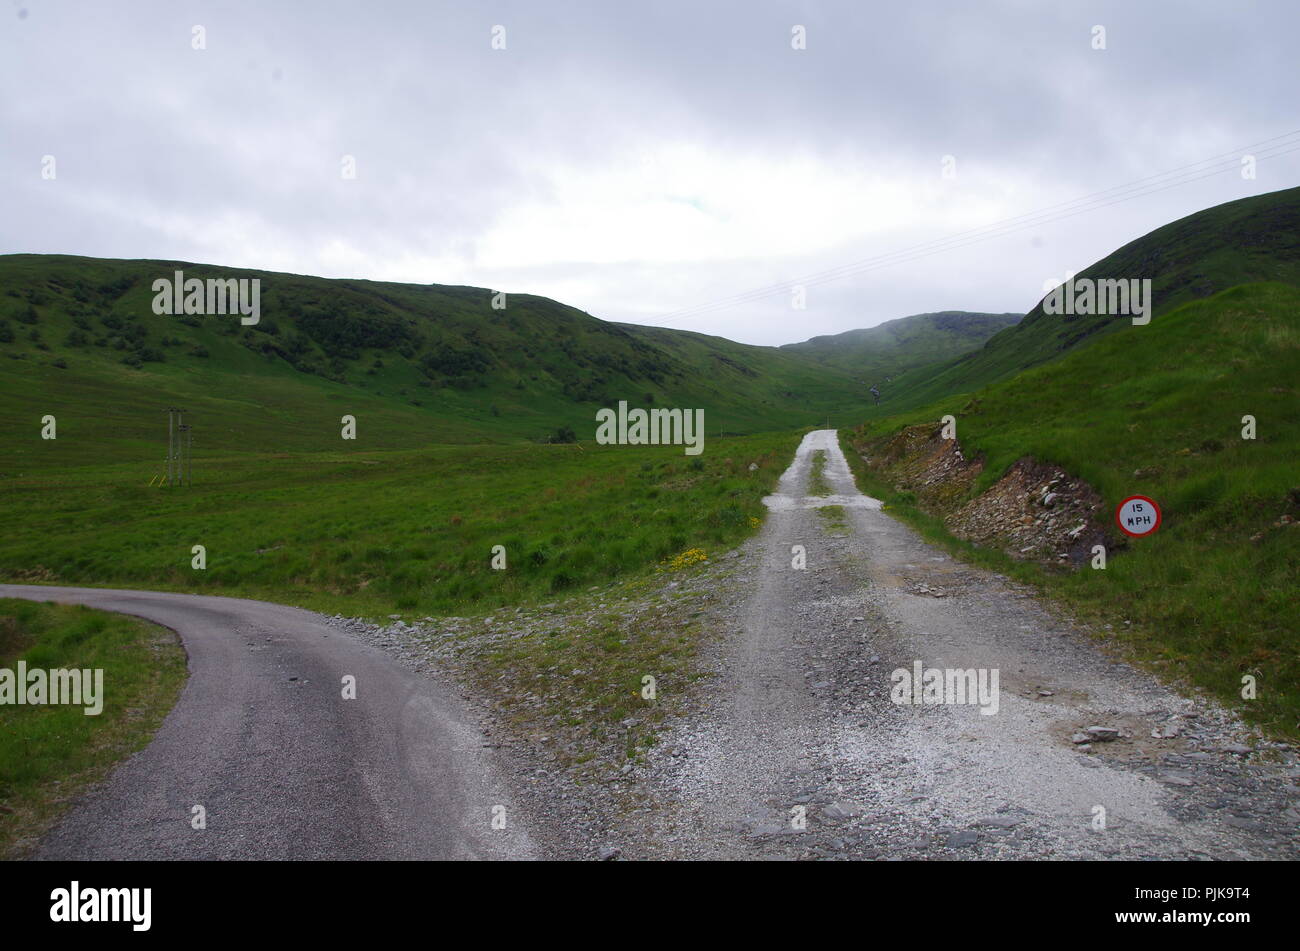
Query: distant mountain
(1246,241)
(903,344)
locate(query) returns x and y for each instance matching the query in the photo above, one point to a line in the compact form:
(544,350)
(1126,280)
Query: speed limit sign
(1137,516)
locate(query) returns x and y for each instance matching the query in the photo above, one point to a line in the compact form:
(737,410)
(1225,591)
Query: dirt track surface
(800,721)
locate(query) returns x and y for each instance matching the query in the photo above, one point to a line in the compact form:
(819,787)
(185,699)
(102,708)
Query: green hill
(1158,410)
(888,349)
(416,364)
(1241,242)
(407,516)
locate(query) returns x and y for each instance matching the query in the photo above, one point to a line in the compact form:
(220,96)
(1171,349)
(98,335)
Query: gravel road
(284,767)
(798,750)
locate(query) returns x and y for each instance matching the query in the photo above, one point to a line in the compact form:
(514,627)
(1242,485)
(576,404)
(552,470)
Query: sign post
(1137,516)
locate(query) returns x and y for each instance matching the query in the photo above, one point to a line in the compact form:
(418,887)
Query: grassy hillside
(886,350)
(417,365)
(824,391)
(1157,410)
(453,401)
(1251,240)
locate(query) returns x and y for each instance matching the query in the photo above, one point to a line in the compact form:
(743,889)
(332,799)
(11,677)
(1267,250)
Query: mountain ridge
(883,350)
(1248,240)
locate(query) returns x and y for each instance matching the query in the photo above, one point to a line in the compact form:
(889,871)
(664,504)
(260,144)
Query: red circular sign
(1137,516)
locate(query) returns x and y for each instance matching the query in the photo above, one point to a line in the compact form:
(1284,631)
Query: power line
(1034,224)
(1183,175)
(944,244)
(997,229)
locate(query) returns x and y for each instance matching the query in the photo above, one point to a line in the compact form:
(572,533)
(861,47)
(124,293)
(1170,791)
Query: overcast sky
(635,160)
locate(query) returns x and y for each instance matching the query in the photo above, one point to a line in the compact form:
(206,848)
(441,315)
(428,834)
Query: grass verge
(51,753)
(1161,410)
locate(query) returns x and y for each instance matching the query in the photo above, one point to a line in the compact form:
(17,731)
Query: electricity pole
(180,440)
(184,446)
(171,440)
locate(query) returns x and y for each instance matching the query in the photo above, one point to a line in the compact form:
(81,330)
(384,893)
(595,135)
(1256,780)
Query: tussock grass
(833,518)
(817,484)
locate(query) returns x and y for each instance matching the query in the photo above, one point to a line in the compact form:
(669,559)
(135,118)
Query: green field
(49,754)
(399,531)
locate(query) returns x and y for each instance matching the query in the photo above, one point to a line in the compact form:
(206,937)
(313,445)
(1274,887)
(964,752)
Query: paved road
(283,765)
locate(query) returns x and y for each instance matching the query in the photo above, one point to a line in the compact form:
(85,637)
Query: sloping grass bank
(1158,411)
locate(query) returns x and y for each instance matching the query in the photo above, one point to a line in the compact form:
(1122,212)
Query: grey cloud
(169,152)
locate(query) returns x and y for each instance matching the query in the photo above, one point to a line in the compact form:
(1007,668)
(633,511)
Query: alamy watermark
(1085,296)
(75,904)
(180,295)
(656,427)
(37,687)
(938,685)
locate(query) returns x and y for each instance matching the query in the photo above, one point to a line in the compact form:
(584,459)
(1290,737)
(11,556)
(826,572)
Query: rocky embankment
(1036,511)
